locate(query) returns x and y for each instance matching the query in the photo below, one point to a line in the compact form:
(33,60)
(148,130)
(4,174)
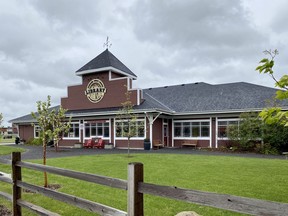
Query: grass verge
(4,150)
(247,177)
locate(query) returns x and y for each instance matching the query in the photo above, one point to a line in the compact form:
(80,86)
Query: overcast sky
(164,42)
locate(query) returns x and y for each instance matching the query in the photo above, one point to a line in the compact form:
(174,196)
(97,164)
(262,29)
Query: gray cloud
(43,43)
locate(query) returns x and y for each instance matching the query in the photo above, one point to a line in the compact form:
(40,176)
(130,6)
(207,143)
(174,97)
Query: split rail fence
(135,189)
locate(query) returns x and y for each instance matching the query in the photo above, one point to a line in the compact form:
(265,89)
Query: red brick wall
(26,132)
(157,129)
(133,144)
(114,96)
(200,143)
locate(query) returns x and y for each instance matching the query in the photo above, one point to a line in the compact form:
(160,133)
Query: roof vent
(183,85)
(196,83)
(150,88)
(165,86)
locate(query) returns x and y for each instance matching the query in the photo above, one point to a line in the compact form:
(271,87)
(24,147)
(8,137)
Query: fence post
(16,175)
(135,199)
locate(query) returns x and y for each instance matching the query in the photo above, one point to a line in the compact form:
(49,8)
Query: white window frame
(37,127)
(217,126)
(132,138)
(73,138)
(104,121)
(191,137)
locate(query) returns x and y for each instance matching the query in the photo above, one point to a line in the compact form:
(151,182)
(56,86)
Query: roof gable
(105,61)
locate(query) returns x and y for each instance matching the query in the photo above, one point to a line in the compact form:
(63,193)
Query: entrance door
(165,134)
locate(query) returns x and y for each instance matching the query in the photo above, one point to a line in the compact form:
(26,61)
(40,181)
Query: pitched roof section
(195,98)
(105,61)
(204,98)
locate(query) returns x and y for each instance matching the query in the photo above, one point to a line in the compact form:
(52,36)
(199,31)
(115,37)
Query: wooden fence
(135,189)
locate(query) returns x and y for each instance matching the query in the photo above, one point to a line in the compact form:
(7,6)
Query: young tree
(59,125)
(52,124)
(44,122)
(1,119)
(126,121)
(274,115)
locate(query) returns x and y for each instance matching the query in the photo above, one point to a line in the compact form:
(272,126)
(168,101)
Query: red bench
(94,143)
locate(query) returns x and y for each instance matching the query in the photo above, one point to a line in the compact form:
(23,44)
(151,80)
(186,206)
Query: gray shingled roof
(203,97)
(28,118)
(195,98)
(106,59)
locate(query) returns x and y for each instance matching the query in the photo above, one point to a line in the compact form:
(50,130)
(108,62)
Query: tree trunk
(128,146)
(44,161)
(56,141)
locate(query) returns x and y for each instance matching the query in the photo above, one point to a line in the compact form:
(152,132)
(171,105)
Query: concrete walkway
(35,152)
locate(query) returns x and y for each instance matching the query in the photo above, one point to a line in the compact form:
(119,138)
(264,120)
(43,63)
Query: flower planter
(108,146)
(78,145)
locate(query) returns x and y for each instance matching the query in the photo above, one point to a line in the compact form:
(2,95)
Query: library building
(191,115)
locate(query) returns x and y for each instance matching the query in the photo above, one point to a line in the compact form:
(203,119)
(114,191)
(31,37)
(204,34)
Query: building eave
(223,111)
(110,68)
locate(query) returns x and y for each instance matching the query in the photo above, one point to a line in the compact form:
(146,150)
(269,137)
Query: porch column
(151,120)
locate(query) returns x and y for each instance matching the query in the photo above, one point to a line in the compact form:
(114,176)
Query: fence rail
(135,189)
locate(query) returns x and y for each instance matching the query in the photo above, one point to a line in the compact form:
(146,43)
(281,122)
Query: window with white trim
(138,127)
(74,131)
(223,127)
(37,131)
(97,129)
(192,129)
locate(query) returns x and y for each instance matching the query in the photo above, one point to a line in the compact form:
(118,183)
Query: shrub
(34,141)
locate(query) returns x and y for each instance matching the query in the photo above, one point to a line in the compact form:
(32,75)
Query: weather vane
(107,44)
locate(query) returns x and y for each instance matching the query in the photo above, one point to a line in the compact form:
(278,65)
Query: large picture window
(73,131)
(137,127)
(99,129)
(223,127)
(192,129)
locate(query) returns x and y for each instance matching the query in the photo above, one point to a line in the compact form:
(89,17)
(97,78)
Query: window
(100,129)
(37,131)
(73,131)
(223,127)
(136,128)
(192,129)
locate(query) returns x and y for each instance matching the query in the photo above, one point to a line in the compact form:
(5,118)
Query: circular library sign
(95,90)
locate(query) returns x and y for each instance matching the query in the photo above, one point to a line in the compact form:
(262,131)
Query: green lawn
(4,150)
(257,178)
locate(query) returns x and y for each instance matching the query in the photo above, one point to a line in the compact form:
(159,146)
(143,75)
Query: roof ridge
(183,84)
(160,102)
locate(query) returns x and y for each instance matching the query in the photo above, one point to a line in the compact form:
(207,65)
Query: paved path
(35,152)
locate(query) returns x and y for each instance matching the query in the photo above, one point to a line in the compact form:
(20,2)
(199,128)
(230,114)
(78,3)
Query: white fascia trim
(105,69)
(219,112)
(109,113)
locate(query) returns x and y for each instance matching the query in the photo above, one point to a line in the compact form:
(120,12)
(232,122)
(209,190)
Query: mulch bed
(4,211)
(50,186)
